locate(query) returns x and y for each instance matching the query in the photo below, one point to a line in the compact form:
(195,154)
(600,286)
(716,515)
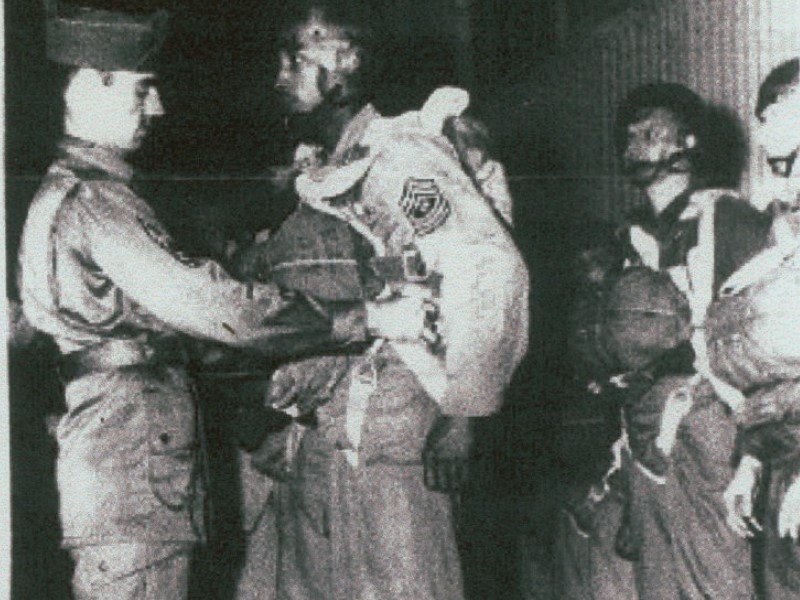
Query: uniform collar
(353,133)
(669,217)
(661,226)
(101,161)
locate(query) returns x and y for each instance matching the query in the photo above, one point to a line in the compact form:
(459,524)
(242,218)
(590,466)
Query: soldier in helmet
(366,511)
(752,345)
(679,440)
(99,274)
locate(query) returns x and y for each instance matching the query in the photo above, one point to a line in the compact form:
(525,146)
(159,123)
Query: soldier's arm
(199,297)
(484,290)
(771,404)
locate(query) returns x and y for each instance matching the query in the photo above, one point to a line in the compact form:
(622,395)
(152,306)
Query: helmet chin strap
(669,166)
(312,127)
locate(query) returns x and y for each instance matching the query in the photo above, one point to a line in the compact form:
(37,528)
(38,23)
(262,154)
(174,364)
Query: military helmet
(310,22)
(340,36)
(687,107)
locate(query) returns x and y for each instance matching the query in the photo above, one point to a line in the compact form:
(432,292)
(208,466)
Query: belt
(121,354)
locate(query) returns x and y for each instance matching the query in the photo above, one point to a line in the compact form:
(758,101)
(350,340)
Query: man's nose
(152,104)
(282,79)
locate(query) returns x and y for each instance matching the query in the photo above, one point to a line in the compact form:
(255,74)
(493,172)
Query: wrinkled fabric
(751,335)
(98,271)
(711,561)
(688,551)
(483,298)
(127,459)
(370,529)
(96,265)
(132,571)
(642,410)
(655,570)
(373,532)
(590,567)
(751,345)
(781,555)
(257,577)
(677,512)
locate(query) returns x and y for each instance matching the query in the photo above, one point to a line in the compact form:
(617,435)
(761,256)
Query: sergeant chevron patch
(424,205)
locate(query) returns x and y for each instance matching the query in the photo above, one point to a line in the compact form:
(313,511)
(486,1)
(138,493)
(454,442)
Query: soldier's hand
(284,387)
(307,383)
(400,318)
(446,454)
(271,457)
(20,332)
(738,498)
(789,514)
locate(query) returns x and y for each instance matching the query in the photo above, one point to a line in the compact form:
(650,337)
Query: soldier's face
(779,135)
(300,82)
(139,103)
(114,109)
(653,140)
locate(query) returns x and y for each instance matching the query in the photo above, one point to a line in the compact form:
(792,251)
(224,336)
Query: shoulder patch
(424,205)
(156,232)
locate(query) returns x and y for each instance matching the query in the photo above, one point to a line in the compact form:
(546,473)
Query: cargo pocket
(171,445)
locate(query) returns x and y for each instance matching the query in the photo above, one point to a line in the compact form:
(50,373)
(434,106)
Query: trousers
(256,580)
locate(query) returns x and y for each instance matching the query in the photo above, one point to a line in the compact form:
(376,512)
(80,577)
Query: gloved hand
(789,513)
(446,455)
(307,383)
(739,495)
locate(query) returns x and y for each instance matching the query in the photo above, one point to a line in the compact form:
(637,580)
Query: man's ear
(83,86)
(690,141)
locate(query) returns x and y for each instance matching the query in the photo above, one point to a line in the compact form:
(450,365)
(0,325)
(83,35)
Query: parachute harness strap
(701,283)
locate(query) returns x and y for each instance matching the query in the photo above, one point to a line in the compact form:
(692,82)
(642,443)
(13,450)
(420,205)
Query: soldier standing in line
(678,441)
(355,517)
(753,345)
(99,274)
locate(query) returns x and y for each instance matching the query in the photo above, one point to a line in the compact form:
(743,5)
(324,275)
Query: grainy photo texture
(410,300)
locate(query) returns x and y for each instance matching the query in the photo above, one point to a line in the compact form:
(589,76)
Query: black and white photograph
(401,300)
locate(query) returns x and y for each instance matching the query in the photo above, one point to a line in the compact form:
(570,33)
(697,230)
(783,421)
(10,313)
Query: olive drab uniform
(677,511)
(752,345)
(356,520)
(100,275)
(675,526)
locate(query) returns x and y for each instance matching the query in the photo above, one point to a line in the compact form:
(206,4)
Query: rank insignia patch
(424,205)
